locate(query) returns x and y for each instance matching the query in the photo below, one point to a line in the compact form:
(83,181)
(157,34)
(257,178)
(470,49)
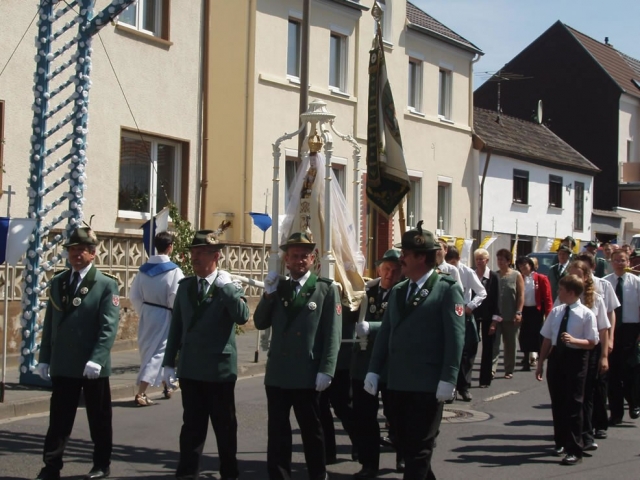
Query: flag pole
(9,192)
(256,355)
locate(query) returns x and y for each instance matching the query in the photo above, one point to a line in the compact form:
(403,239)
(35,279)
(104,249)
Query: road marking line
(501,395)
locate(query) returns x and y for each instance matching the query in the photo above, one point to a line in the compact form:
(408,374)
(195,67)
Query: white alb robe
(154,321)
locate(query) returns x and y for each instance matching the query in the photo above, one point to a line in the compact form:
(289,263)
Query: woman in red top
(537,305)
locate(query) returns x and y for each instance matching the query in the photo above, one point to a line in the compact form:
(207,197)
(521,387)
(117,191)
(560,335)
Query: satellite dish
(539,111)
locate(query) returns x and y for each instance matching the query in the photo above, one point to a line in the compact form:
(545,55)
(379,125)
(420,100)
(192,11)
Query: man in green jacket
(365,406)
(80,326)
(207,307)
(305,315)
(420,342)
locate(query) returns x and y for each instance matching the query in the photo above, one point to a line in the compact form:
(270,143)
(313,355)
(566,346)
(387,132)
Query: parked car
(545,261)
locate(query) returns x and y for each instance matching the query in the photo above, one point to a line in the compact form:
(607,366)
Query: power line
(19,42)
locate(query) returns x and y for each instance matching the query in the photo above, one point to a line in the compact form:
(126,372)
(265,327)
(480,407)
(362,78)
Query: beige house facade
(144,111)
(253,99)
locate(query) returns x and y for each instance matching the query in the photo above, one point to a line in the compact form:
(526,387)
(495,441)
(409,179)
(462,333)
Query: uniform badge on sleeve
(312,306)
(338,308)
(459,309)
(115,299)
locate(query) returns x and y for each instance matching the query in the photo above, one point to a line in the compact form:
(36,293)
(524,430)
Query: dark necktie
(381,293)
(412,290)
(73,286)
(203,290)
(560,345)
(620,295)
(294,288)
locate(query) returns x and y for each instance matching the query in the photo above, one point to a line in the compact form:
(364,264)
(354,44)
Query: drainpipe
(475,60)
(247,112)
(480,208)
(204,107)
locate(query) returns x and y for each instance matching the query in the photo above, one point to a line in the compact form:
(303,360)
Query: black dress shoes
(465,395)
(614,421)
(97,472)
(48,475)
(600,434)
(634,412)
(400,466)
(571,460)
(559,451)
(366,472)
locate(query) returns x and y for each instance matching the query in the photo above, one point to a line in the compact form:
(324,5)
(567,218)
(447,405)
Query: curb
(40,404)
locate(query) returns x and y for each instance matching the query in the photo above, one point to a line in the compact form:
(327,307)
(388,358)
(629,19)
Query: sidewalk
(23,400)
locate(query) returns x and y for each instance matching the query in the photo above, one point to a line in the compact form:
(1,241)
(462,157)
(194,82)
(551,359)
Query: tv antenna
(500,77)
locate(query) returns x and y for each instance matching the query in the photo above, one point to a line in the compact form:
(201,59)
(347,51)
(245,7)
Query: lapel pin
(415,303)
(312,306)
(372,309)
(286,304)
(84,290)
(76,302)
(424,292)
(372,300)
(384,305)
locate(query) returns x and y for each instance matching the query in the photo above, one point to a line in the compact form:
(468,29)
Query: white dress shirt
(471,284)
(605,289)
(529,291)
(83,273)
(301,281)
(444,267)
(630,296)
(581,325)
(420,282)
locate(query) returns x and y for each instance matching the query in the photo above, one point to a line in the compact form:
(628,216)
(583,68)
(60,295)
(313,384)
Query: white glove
(371,383)
(271,282)
(169,375)
(92,370)
(445,391)
(42,370)
(222,279)
(362,329)
(322,382)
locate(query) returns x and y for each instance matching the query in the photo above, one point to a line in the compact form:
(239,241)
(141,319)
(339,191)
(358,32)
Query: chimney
(606,42)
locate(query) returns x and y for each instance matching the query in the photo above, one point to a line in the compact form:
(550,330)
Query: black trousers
(201,402)
(623,379)
(486,360)
(338,396)
(306,407)
(366,426)
(469,352)
(418,416)
(566,377)
(594,408)
(62,414)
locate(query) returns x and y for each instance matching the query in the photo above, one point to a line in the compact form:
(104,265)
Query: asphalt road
(514,441)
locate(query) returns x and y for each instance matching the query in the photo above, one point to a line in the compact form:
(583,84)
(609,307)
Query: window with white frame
(444,208)
(444,94)
(338,62)
(294,48)
(290,169)
(414,202)
(385,24)
(148,16)
(339,172)
(415,85)
(150,171)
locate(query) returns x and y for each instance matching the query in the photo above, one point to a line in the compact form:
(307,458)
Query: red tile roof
(622,68)
(425,21)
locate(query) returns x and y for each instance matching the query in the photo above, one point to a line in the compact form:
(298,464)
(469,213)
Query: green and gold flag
(387,178)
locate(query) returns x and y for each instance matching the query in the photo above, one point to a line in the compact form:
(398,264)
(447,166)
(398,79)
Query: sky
(503,28)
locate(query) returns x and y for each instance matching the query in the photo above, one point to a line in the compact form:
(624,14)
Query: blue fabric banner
(261,220)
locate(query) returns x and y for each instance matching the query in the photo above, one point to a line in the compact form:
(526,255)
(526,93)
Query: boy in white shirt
(569,332)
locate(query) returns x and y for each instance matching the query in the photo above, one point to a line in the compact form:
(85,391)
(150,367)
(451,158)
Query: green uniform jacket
(72,334)
(306,333)
(204,333)
(421,341)
(601,267)
(555,277)
(362,357)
